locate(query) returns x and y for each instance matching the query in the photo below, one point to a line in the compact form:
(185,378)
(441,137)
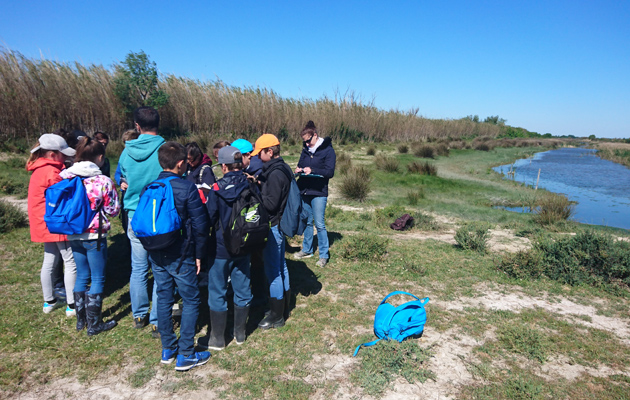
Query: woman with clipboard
(315,168)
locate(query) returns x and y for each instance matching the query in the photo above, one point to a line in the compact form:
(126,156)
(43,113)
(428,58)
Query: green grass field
(488,336)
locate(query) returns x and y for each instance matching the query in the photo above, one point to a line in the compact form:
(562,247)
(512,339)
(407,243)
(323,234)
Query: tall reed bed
(37,96)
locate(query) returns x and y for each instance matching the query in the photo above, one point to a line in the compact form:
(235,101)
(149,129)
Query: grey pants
(52,251)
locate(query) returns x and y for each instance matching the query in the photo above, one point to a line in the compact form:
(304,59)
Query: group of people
(204,205)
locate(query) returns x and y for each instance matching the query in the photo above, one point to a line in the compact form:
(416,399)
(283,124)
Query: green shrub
(11,217)
(403,149)
(423,168)
(473,236)
(425,222)
(553,208)
(356,184)
(381,364)
(12,187)
(364,247)
(343,163)
(424,151)
(15,162)
(586,258)
(371,150)
(525,341)
(387,164)
(383,217)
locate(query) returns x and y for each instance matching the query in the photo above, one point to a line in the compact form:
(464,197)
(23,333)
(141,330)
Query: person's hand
(298,170)
(307,170)
(124,186)
(198,262)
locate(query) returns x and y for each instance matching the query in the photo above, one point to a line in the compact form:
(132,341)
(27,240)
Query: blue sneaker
(49,307)
(168,355)
(184,363)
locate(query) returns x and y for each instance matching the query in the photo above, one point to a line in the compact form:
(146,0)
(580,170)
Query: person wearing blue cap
(252,165)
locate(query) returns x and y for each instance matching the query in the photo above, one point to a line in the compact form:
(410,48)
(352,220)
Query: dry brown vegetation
(42,95)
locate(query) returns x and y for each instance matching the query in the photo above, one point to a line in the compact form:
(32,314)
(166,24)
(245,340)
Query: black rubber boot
(287,304)
(240,323)
(275,319)
(94,306)
(79,307)
(218,320)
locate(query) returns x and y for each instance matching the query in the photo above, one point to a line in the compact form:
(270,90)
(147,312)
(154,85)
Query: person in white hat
(46,162)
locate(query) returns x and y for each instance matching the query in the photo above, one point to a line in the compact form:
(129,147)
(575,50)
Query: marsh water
(600,187)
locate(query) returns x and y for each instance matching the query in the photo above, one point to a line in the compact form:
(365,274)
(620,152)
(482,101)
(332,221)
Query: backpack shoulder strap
(398,292)
(203,168)
(368,344)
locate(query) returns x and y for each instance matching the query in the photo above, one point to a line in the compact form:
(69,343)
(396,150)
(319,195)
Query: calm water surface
(601,187)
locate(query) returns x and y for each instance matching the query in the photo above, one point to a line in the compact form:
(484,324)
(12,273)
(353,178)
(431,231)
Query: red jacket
(45,174)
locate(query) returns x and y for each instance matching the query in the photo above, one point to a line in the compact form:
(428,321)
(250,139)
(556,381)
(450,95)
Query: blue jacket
(219,206)
(193,215)
(139,165)
(322,162)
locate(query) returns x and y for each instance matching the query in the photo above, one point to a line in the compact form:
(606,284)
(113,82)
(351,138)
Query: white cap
(50,141)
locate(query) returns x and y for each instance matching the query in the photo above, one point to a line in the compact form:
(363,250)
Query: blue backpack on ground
(398,323)
(156,222)
(68,210)
(294,218)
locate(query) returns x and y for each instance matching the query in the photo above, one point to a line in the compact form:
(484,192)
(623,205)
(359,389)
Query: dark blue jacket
(322,162)
(255,166)
(192,213)
(274,187)
(219,206)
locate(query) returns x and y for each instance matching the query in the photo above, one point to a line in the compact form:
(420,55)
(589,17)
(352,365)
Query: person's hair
(101,136)
(221,144)
(194,150)
(70,138)
(309,129)
(147,117)
(130,134)
(37,154)
(89,149)
(276,150)
(237,165)
(170,153)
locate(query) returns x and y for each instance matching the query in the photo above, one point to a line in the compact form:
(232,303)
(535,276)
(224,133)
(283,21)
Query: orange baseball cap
(265,141)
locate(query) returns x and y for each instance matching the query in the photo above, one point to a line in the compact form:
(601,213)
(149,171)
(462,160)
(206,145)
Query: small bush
(442,150)
(12,187)
(525,341)
(15,163)
(381,364)
(344,163)
(371,150)
(482,147)
(403,149)
(423,168)
(473,236)
(356,184)
(387,164)
(586,258)
(553,208)
(364,247)
(424,151)
(414,196)
(425,222)
(385,216)
(11,217)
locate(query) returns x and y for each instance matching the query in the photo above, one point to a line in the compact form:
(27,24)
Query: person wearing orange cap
(275,180)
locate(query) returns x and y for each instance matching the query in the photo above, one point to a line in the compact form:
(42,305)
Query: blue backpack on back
(68,210)
(156,222)
(294,218)
(398,323)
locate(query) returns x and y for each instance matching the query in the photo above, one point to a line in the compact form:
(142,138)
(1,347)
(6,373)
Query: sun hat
(50,141)
(227,155)
(264,142)
(243,146)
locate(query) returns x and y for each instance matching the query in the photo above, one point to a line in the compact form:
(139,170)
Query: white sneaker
(300,255)
(70,312)
(49,307)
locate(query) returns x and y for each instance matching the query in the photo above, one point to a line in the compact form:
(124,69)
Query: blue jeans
(238,270)
(139,281)
(166,278)
(275,264)
(316,208)
(90,264)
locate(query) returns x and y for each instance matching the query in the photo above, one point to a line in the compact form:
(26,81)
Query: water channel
(600,187)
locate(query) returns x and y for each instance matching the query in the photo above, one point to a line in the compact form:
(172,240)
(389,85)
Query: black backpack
(248,226)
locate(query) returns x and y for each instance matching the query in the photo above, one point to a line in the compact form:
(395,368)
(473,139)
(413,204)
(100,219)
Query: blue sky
(549,66)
